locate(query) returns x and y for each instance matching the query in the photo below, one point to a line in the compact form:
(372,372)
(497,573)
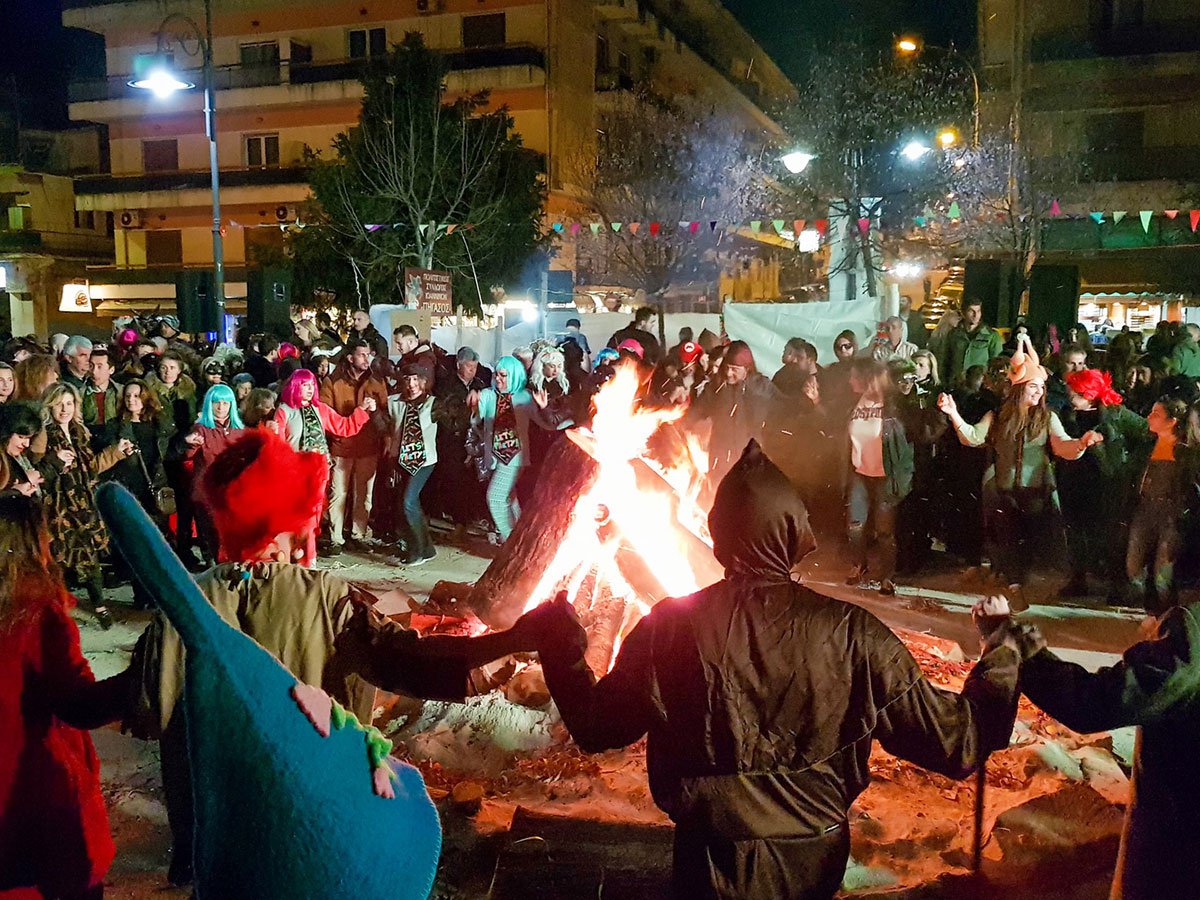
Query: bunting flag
(1098,218)
(779,225)
(616,226)
(1171,213)
(822,226)
(756,226)
(423,227)
(654,229)
(920,221)
(574,228)
(1118,215)
(712,227)
(1146,215)
(1195,219)
(634,227)
(558,226)
(595,228)
(864,225)
(798,226)
(955,212)
(694,227)
(928,212)
(1055,209)
(450,229)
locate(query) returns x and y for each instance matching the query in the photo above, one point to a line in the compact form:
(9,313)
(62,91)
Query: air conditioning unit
(130,218)
(285,214)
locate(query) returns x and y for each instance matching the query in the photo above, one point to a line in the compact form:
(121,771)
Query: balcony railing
(1146,164)
(188,180)
(1146,40)
(226,78)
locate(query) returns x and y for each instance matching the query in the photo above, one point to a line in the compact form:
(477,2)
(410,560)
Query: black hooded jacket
(761,699)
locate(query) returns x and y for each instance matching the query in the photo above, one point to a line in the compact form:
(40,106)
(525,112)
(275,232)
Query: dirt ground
(1054,800)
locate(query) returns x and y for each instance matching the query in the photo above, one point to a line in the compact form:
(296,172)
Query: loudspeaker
(269,301)
(1053,297)
(195,301)
(995,282)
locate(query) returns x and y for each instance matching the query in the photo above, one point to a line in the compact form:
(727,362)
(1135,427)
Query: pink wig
(290,395)
(288,351)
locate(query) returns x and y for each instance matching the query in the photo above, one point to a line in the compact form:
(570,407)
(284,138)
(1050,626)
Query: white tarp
(766,327)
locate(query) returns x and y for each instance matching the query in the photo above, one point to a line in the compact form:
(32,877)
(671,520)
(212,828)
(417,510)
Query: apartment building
(1116,85)
(287,77)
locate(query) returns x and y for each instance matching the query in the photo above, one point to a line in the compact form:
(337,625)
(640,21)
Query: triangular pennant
(595,227)
(1146,215)
(654,229)
(450,229)
(928,212)
(575,228)
(634,226)
(798,226)
(1195,218)
(920,221)
(756,226)
(685,225)
(423,227)
(822,226)
(1171,213)
(558,226)
(864,225)
(712,227)
(693,227)
(1055,209)
(616,226)
(442,226)
(779,225)
(954,212)
(1118,215)
(1097,217)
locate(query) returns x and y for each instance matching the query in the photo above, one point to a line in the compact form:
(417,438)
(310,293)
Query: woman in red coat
(54,834)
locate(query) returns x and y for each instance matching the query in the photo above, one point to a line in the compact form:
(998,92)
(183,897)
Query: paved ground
(1088,630)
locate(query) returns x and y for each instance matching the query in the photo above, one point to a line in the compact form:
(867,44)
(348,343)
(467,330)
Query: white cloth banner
(767,327)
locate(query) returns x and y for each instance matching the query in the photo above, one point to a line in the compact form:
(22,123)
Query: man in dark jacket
(363,330)
(1155,686)
(639,330)
(455,487)
(761,699)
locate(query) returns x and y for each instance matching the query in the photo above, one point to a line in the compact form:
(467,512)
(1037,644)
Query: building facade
(1114,84)
(287,78)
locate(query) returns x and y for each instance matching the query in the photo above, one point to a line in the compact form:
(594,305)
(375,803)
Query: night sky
(37,57)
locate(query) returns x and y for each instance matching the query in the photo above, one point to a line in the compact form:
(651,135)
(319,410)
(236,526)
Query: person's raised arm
(968,435)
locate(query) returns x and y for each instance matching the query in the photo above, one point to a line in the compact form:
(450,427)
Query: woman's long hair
(933,366)
(290,395)
(27,570)
(213,395)
(552,356)
(54,396)
(32,374)
(517,379)
(152,408)
(1015,421)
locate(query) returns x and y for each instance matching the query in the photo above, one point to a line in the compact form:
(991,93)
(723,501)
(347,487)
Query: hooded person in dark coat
(761,699)
(1155,686)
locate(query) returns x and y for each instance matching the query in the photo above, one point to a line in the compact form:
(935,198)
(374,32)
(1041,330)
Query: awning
(114,308)
(1160,271)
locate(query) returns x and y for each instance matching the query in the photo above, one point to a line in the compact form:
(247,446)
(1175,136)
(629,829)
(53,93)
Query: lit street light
(947,137)
(161,82)
(912,46)
(914,150)
(797,161)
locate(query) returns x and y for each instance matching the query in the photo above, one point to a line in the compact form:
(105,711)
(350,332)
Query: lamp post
(163,82)
(912,46)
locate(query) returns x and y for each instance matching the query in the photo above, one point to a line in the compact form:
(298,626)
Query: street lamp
(912,46)
(796,161)
(914,150)
(947,137)
(162,82)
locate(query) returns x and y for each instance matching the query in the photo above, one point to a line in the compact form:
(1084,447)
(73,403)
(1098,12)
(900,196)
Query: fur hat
(1094,386)
(1025,365)
(258,488)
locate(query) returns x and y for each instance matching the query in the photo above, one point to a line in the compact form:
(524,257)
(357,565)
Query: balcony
(1180,164)
(144,182)
(1146,40)
(115,87)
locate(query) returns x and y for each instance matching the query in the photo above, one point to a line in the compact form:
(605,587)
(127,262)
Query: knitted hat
(1025,365)
(690,352)
(259,487)
(1094,386)
(739,354)
(282,808)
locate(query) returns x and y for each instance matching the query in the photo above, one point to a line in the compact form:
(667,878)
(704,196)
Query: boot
(93,586)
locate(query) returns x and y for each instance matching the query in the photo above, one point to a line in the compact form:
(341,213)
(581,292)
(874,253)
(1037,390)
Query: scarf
(312,433)
(412,438)
(506,442)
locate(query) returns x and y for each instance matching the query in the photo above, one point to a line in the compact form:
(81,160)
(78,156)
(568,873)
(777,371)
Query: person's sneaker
(336,549)
(887,587)
(430,553)
(104,617)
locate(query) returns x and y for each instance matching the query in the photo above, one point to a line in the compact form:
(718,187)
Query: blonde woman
(79,539)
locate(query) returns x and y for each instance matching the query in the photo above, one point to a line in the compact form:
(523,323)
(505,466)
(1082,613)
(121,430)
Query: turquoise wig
(517,378)
(215,394)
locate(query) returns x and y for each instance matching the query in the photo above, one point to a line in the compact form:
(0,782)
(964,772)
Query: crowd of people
(369,436)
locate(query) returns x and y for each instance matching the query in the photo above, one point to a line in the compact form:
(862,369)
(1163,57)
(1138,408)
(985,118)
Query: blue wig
(214,394)
(517,378)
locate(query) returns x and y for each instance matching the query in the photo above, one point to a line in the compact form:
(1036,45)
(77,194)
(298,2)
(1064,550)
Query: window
(260,64)
(623,64)
(1116,131)
(262,150)
(484,31)
(368,43)
(164,248)
(300,53)
(1116,14)
(144,62)
(89,220)
(601,54)
(160,156)
(649,57)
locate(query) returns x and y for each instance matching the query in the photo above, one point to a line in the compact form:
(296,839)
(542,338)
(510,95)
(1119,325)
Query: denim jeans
(410,504)
(872,517)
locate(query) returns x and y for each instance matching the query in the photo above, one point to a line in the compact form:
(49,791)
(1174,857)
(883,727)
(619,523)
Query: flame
(651,523)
